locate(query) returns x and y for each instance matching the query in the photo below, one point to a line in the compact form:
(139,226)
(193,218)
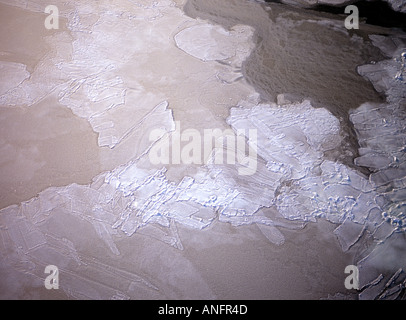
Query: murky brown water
(296,55)
(45,144)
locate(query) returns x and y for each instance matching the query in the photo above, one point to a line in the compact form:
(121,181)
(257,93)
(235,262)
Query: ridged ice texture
(381,133)
(292,139)
(287,137)
(309,187)
(381,128)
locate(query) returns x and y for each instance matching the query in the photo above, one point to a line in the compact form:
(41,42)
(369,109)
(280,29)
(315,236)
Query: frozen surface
(287,138)
(137,198)
(382,139)
(137,207)
(380,128)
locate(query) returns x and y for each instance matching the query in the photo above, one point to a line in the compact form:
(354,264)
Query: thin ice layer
(209,42)
(12,74)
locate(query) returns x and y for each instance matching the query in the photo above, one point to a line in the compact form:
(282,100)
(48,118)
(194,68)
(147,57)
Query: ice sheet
(137,202)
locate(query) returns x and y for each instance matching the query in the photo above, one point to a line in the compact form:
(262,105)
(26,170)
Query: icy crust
(133,198)
(194,202)
(380,129)
(287,137)
(336,193)
(382,271)
(388,76)
(382,139)
(310,187)
(292,139)
(40,232)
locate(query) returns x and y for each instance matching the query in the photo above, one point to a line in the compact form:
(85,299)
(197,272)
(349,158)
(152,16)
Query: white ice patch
(209,42)
(291,138)
(380,130)
(335,194)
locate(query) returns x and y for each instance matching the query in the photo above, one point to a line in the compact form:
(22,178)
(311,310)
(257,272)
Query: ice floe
(209,42)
